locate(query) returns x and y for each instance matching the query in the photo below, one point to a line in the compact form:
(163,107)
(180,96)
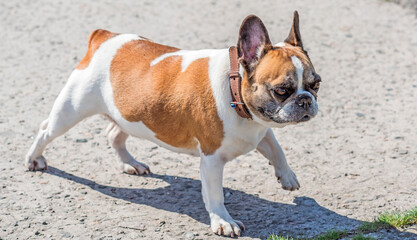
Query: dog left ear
(294,38)
(253,41)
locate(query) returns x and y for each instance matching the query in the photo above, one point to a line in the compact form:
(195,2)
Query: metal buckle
(234,75)
(233,104)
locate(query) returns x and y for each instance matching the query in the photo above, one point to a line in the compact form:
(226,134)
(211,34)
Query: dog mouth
(291,115)
(305,118)
(293,119)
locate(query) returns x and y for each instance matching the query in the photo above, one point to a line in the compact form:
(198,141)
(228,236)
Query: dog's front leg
(270,148)
(211,171)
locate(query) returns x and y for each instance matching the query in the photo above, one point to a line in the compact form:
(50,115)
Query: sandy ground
(357,158)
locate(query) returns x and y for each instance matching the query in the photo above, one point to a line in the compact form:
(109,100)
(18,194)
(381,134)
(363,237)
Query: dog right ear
(252,43)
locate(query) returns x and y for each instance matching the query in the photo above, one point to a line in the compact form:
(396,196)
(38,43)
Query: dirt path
(355,159)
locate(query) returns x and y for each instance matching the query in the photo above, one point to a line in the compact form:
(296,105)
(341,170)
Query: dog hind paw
(136,168)
(36,164)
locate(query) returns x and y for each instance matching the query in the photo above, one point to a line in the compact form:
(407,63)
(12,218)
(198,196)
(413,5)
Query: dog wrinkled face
(283,87)
(280,84)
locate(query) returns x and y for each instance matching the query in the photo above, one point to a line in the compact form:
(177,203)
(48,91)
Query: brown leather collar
(235,85)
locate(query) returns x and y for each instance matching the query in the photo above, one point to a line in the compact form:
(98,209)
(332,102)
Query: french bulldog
(182,100)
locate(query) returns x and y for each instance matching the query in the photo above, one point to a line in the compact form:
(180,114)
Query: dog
(215,103)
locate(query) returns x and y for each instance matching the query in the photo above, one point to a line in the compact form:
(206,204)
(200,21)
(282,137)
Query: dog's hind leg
(75,102)
(128,164)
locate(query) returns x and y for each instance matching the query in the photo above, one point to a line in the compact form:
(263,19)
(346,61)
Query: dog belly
(139,130)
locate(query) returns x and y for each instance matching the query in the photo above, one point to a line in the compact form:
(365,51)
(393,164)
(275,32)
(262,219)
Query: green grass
(331,235)
(391,219)
(361,237)
(383,221)
(399,219)
(276,237)
(373,226)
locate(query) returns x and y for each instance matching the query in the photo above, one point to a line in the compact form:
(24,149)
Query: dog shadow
(304,218)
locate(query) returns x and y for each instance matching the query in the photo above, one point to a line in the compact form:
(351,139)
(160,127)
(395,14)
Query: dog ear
(294,38)
(253,42)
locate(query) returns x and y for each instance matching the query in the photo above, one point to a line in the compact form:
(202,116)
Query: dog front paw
(226,226)
(288,180)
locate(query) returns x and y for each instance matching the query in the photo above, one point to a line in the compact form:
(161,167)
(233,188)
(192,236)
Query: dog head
(279,84)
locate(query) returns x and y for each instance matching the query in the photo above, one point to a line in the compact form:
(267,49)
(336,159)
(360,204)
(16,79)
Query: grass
(373,226)
(391,219)
(399,219)
(383,221)
(361,237)
(332,235)
(276,237)
(329,235)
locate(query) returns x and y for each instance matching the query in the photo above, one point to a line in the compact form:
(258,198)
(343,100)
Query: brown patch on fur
(178,107)
(97,37)
(277,64)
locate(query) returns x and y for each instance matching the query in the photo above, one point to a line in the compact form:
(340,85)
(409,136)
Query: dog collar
(235,85)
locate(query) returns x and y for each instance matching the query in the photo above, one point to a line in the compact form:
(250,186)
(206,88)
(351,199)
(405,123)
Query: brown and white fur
(180,100)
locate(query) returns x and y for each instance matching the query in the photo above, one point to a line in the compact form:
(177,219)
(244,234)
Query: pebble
(246,165)
(230,179)
(66,234)
(403,152)
(360,114)
(189,235)
(134,235)
(81,140)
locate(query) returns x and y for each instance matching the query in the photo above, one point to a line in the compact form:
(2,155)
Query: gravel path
(357,158)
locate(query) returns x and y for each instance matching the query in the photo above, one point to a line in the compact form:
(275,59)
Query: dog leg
(34,159)
(74,103)
(211,171)
(61,119)
(270,148)
(127,163)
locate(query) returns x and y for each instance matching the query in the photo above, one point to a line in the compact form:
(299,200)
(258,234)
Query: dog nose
(304,101)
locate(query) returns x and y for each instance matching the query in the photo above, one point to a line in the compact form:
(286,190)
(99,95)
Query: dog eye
(281,91)
(316,86)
